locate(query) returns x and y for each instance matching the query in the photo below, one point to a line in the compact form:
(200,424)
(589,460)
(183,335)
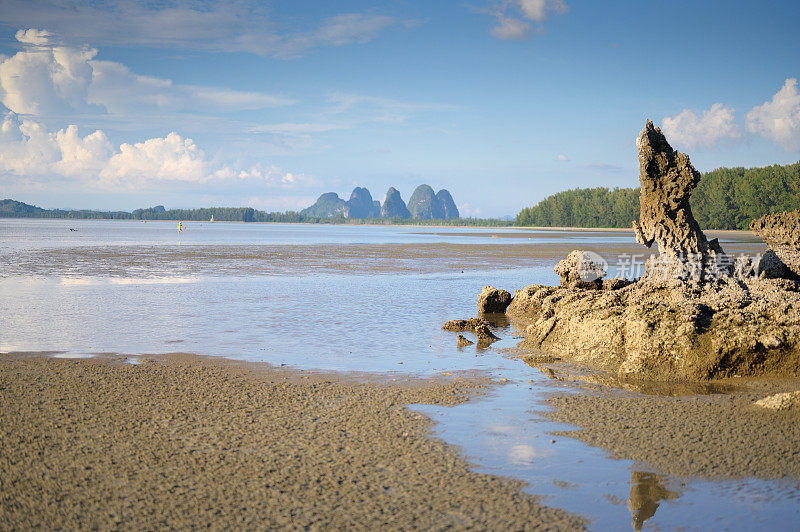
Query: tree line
(726,198)
(16,209)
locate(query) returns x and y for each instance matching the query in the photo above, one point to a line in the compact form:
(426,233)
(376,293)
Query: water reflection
(647,492)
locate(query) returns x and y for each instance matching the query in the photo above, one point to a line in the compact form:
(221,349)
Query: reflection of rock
(647,492)
(781,401)
(492,300)
(781,232)
(463,342)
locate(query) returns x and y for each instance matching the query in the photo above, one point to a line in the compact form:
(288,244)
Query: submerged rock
(781,232)
(492,300)
(464,325)
(463,342)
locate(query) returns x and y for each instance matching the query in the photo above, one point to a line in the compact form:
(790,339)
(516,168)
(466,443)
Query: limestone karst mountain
(361,205)
(394,206)
(424,204)
(449,208)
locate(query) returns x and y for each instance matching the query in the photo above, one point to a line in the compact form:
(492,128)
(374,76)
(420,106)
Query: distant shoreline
(367,224)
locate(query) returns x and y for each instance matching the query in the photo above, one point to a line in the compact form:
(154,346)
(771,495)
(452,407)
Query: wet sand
(713,436)
(180,442)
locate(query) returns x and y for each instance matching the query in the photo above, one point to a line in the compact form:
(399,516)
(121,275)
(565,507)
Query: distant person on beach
(180,227)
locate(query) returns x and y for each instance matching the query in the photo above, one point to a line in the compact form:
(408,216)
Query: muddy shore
(186,442)
(713,436)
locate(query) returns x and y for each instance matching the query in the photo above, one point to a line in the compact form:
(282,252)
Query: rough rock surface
(781,232)
(694,315)
(780,401)
(667,179)
(464,325)
(582,269)
(463,342)
(669,330)
(485,334)
(492,300)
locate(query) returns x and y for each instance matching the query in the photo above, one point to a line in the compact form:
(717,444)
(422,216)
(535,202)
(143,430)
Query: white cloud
(778,120)
(563,158)
(510,28)
(213,25)
(33,36)
(45,80)
(512,14)
(29,151)
(691,131)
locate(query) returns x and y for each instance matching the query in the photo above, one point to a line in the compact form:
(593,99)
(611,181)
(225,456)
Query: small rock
(464,325)
(485,334)
(463,342)
(492,300)
(780,401)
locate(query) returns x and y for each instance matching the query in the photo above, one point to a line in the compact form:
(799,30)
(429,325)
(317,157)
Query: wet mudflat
(191,443)
(366,299)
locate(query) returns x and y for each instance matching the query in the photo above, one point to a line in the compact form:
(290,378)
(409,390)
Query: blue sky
(119,105)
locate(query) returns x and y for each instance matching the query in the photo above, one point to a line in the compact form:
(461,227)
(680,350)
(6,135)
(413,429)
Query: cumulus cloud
(33,36)
(213,25)
(779,119)
(563,158)
(43,79)
(28,150)
(688,130)
(514,17)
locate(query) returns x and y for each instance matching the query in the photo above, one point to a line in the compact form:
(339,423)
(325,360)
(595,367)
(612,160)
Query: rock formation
(781,232)
(394,206)
(361,205)
(448,205)
(328,205)
(706,318)
(667,179)
(462,342)
(424,204)
(493,301)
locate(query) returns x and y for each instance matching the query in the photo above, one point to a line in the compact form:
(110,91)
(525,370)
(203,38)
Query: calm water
(349,298)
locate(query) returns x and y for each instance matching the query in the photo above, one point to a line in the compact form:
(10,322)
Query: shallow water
(363,298)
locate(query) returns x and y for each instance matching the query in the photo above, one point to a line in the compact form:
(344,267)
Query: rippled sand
(191,443)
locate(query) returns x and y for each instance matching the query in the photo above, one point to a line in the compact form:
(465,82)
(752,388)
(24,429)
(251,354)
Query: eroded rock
(694,315)
(464,325)
(667,179)
(463,342)
(781,232)
(582,269)
(492,300)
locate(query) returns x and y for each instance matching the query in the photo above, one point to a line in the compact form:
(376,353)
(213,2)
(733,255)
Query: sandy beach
(191,442)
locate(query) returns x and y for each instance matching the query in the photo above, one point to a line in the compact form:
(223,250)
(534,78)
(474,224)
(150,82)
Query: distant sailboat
(212,218)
